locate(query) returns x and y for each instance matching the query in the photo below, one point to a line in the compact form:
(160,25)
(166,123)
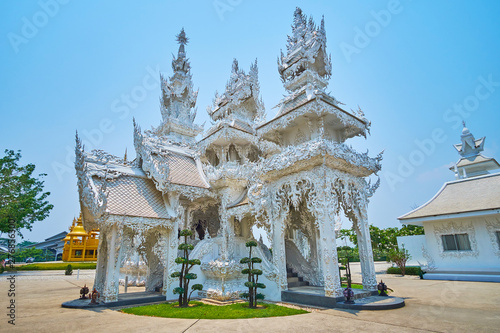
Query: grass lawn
(353,286)
(207,311)
(52,266)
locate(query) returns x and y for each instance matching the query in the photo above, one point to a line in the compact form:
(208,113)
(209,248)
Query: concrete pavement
(431,306)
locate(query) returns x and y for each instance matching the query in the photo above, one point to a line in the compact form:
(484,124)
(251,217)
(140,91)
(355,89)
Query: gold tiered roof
(80,245)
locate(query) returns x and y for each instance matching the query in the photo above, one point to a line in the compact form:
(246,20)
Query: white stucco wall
(485,253)
(414,246)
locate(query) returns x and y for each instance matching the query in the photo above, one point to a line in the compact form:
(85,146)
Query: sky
(416,68)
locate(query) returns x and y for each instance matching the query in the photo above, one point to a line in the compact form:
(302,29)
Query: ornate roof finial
(235,68)
(463,123)
(181,37)
(469,146)
(306,54)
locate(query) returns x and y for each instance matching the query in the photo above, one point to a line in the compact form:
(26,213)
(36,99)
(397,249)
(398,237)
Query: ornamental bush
(410,270)
(184,276)
(253,277)
(69,270)
(399,257)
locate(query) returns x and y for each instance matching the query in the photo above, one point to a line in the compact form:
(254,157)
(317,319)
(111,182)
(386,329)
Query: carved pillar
(102,260)
(323,206)
(154,244)
(169,265)
(114,253)
(278,245)
(329,260)
(230,236)
(318,256)
(365,250)
(226,227)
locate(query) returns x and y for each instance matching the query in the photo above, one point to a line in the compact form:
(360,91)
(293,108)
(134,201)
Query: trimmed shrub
(69,270)
(410,270)
(52,266)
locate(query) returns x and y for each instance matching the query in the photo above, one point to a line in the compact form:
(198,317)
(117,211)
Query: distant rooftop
(461,196)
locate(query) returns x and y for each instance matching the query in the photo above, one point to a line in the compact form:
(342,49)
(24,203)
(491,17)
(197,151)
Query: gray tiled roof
(135,196)
(462,196)
(466,161)
(184,171)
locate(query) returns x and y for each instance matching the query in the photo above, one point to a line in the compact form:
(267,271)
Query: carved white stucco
(292,175)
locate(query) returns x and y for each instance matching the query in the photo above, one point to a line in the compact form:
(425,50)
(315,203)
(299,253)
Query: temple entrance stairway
(294,280)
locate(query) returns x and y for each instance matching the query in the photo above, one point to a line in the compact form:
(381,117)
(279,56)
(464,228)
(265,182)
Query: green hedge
(410,270)
(53,266)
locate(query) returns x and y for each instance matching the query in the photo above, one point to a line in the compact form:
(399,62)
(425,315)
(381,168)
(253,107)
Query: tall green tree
(22,199)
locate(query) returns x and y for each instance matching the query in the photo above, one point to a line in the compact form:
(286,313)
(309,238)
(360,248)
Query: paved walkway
(431,306)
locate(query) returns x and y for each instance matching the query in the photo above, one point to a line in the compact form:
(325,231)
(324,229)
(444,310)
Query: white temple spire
(241,98)
(178,98)
(306,58)
(472,163)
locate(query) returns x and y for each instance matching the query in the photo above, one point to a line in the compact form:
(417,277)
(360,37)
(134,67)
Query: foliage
(21,254)
(383,240)
(399,257)
(56,266)
(207,311)
(184,276)
(253,277)
(22,199)
(409,270)
(25,243)
(69,270)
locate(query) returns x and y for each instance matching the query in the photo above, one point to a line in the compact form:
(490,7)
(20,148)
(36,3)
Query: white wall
(414,246)
(485,253)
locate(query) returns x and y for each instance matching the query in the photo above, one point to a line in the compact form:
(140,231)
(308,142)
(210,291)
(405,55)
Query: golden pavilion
(80,245)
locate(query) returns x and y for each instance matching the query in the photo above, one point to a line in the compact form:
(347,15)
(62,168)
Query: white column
(279,255)
(116,249)
(224,225)
(102,260)
(169,264)
(155,244)
(110,292)
(328,246)
(365,251)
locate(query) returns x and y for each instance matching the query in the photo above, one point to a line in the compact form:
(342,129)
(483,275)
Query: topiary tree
(184,276)
(253,277)
(69,270)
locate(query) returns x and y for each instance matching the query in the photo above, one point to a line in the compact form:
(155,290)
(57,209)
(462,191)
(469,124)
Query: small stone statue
(84,291)
(349,296)
(94,297)
(382,287)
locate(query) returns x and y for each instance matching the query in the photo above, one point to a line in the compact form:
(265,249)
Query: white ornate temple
(293,175)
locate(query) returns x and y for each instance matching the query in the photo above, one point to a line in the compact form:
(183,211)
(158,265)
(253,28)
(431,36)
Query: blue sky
(416,68)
